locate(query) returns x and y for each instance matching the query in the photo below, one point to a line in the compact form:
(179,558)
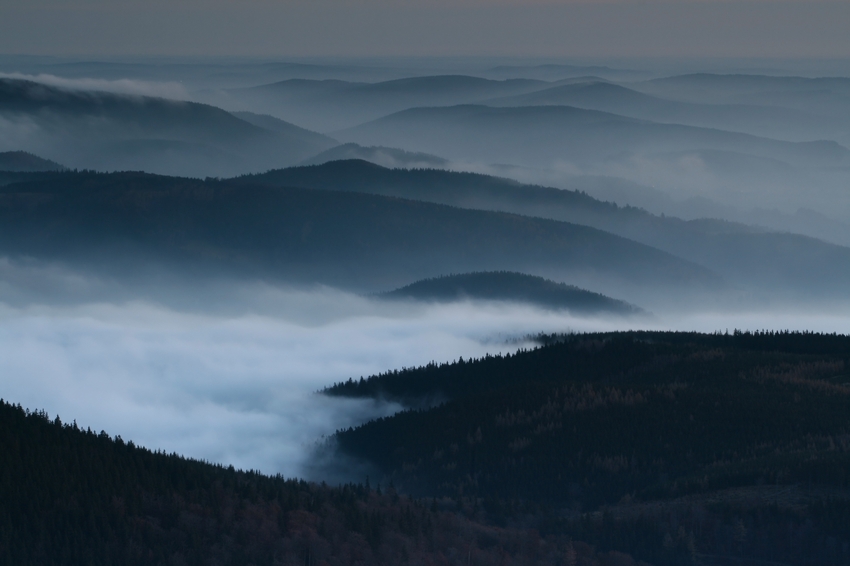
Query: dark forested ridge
(701,449)
(514,287)
(355,241)
(71,497)
(686,436)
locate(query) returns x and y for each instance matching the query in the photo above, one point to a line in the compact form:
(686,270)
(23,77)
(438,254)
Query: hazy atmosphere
(386,283)
(381,28)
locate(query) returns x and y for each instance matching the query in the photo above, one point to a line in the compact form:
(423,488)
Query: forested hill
(749,257)
(513,287)
(22,161)
(71,497)
(110,131)
(716,430)
(355,241)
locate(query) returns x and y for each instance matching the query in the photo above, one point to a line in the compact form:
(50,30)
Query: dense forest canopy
(638,424)
(591,449)
(74,497)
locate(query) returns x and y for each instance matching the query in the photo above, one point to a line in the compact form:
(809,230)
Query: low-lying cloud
(238,386)
(232,388)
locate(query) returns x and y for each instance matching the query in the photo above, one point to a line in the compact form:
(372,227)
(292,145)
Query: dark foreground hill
(755,259)
(71,497)
(512,287)
(355,241)
(729,445)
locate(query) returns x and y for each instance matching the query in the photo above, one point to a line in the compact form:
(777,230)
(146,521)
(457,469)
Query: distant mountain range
(556,71)
(826,96)
(762,120)
(105,131)
(755,259)
(511,287)
(542,135)
(383,156)
(329,105)
(121,223)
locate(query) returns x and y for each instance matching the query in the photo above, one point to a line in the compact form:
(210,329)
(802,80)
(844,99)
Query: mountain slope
(760,260)
(760,120)
(23,162)
(72,497)
(786,91)
(383,156)
(511,287)
(110,131)
(354,241)
(540,136)
(620,432)
(331,105)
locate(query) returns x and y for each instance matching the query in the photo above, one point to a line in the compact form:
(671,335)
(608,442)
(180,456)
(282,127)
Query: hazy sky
(292,28)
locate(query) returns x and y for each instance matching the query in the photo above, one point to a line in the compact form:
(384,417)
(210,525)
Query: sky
(362,28)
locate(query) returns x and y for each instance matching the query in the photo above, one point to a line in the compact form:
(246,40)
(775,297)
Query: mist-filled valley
(446,310)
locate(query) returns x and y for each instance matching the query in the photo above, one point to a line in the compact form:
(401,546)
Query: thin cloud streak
(132,87)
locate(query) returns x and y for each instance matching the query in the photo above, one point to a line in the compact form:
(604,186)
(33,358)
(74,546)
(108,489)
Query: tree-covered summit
(513,287)
(720,431)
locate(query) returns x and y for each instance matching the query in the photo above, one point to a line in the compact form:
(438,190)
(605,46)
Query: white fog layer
(240,389)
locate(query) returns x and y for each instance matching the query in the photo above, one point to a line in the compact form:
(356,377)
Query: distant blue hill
(24,162)
(511,286)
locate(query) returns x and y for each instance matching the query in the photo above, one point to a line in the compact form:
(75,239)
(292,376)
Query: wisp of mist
(240,386)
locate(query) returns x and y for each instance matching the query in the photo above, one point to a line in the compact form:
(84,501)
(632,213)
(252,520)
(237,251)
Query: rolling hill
(511,287)
(663,442)
(383,156)
(762,261)
(362,242)
(329,105)
(540,136)
(760,120)
(105,131)
(74,497)
(825,97)
(23,162)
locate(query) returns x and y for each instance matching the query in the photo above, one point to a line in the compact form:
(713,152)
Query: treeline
(643,426)
(74,497)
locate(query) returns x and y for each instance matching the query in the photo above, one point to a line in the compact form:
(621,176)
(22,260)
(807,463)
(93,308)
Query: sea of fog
(238,386)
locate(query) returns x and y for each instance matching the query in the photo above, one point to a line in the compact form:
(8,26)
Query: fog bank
(238,386)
